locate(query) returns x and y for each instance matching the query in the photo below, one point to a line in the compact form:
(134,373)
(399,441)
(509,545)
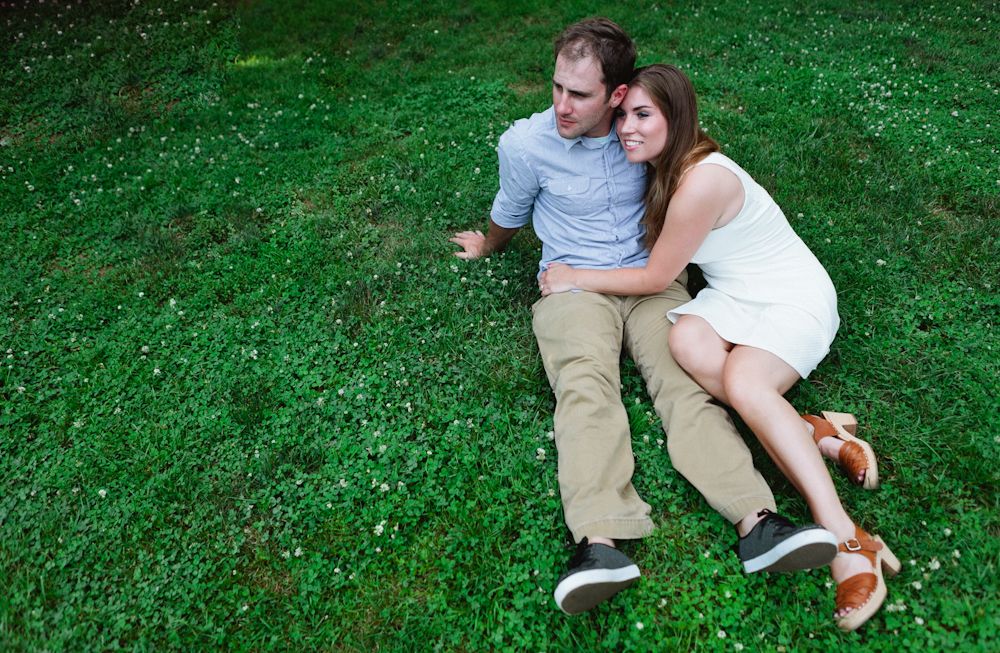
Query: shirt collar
(588,143)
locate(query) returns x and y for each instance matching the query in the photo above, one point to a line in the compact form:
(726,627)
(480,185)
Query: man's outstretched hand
(473,244)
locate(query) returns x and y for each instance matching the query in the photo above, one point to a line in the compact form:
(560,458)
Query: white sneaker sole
(806,550)
(586,589)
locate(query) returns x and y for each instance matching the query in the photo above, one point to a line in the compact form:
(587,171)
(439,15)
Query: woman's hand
(558,277)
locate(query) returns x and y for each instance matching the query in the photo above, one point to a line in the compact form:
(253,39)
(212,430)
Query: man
(565,170)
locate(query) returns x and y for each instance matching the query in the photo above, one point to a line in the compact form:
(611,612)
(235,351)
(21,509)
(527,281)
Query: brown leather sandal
(864,593)
(856,455)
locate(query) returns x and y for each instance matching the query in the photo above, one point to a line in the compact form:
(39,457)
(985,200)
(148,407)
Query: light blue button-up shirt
(582,195)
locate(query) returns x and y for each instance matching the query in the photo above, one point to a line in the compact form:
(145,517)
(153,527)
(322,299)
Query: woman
(766,319)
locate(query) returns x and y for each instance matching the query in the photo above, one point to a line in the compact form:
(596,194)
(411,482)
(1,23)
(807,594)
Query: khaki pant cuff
(740,508)
(615,529)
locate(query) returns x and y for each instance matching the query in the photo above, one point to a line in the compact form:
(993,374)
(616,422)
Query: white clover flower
(721,634)
(934,564)
(638,625)
(539,454)
(918,621)
(917,585)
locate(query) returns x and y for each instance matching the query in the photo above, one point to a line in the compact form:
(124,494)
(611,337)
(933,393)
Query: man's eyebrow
(571,90)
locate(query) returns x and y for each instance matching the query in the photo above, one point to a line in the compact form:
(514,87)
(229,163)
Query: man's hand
(558,277)
(473,244)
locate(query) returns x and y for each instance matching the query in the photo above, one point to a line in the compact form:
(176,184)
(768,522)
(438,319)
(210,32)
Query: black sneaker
(776,544)
(596,573)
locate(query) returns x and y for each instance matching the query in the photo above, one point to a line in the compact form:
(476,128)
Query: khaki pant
(580,337)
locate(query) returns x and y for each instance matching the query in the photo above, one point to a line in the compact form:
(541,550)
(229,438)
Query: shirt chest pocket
(574,196)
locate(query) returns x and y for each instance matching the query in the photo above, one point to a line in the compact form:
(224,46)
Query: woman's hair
(687,144)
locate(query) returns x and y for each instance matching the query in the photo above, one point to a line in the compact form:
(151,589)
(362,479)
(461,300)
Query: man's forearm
(497,238)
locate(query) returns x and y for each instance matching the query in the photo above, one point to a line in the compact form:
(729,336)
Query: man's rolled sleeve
(518,185)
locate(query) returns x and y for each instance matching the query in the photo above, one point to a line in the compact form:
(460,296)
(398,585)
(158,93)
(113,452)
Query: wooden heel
(845,422)
(890,563)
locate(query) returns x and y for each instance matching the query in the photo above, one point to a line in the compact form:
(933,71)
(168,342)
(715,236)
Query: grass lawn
(249,400)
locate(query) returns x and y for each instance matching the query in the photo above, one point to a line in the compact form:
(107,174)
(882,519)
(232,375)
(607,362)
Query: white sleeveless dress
(765,288)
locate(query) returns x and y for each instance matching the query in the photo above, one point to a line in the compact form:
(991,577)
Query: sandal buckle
(852,544)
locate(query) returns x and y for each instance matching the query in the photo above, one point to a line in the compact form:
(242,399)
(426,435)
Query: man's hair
(606,42)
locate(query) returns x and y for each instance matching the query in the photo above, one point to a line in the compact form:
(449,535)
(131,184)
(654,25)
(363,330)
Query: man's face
(580,100)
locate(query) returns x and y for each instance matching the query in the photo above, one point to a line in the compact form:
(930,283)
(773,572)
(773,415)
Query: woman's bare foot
(846,565)
(830,448)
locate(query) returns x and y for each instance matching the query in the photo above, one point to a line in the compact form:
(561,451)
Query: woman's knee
(740,391)
(687,344)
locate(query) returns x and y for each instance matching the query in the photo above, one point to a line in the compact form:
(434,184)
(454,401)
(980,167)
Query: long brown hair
(687,144)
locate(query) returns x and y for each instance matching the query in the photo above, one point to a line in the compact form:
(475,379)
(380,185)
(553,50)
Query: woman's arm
(706,194)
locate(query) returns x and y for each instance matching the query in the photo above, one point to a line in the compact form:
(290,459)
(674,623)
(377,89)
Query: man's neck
(602,130)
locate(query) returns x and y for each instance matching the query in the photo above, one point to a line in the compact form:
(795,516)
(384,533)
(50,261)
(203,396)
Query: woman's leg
(701,352)
(755,381)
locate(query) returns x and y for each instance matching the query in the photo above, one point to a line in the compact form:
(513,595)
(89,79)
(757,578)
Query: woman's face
(642,127)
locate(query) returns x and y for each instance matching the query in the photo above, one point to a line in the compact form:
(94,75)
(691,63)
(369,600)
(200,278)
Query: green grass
(250,401)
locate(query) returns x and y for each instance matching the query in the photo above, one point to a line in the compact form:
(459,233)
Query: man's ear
(618,95)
